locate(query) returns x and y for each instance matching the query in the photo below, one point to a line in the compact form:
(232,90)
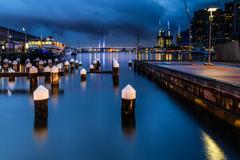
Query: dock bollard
(47,77)
(130,63)
(28,66)
(95,65)
(55,76)
(66,67)
(41,65)
(91,67)
(76,64)
(98,63)
(33,78)
(83,74)
(128,100)
(15,65)
(72,64)
(40,97)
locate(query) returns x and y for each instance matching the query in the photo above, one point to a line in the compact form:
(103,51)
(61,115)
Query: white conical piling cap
(59,66)
(33,69)
(128,93)
(18,59)
(80,62)
(10,70)
(10,62)
(28,65)
(47,69)
(94,62)
(91,66)
(41,62)
(37,59)
(54,69)
(41,93)
(45,62)
(72,60)
(56,59)
(130,61)
(28,60)
(76,61)
(15,62)
(66,63)
(83,71)
(115,64)
(49,61)
(5,60)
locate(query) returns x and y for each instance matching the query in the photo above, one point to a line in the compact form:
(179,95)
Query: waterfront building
(12,40)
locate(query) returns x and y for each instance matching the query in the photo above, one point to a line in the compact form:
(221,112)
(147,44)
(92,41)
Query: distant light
(23,29)
(212,9)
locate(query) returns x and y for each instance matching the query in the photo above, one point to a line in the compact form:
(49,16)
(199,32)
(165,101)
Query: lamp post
(25,38)
(211,10)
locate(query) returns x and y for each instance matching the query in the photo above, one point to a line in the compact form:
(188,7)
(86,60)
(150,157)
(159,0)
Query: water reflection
(211,149)
(41,128)
(128,124)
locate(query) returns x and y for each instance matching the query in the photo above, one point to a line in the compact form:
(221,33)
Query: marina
(88,115)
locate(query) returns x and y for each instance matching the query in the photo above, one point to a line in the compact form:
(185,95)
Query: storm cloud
(120,21)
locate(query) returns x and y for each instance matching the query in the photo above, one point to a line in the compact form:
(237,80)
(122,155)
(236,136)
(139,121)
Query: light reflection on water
(85,120)
(212,150)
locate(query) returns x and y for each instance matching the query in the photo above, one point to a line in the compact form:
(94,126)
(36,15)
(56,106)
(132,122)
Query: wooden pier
(216,95)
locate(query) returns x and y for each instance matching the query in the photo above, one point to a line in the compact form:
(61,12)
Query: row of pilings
(220,99)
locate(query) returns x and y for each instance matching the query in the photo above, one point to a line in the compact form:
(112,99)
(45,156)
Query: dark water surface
(85,122)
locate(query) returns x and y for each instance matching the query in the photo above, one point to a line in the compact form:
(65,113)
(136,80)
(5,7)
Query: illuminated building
(168,38)
(161,39)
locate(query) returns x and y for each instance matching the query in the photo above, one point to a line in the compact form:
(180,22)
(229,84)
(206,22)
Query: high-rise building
(179,37)
(169,37)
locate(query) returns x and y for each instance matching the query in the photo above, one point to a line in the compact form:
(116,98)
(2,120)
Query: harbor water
(85,122)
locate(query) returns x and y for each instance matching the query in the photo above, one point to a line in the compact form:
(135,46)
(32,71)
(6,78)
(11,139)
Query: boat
(46,46)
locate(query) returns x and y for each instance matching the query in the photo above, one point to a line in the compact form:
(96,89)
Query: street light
(211,10)
(25,38)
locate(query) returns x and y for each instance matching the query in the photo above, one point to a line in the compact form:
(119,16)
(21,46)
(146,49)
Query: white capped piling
(27,61)
(80,63)
(72,63)
(59,66)
(66,66)
(98,63)
(18,60)
(37,61)
(50,62)
(128,100)
(28,66)
(83,74)
(9,63)
(41,65)
(115,68)
(11,78)
(130,63)
(47,70)
(55,76)
(56,61)
(33,78)
(45,63)
(96,67)
(15,65)
(5,65)
(40,97)
(91,67)
(76,64)
(115,74)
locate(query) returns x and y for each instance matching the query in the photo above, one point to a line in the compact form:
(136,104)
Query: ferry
(46,46)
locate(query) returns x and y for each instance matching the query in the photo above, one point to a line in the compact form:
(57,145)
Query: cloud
(96,17)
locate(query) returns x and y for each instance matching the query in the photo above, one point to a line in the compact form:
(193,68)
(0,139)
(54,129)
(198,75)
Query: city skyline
(88,22)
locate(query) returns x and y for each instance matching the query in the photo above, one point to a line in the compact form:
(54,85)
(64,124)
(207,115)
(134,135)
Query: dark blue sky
(87,21)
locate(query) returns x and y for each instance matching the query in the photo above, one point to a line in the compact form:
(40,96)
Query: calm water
(85,121)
